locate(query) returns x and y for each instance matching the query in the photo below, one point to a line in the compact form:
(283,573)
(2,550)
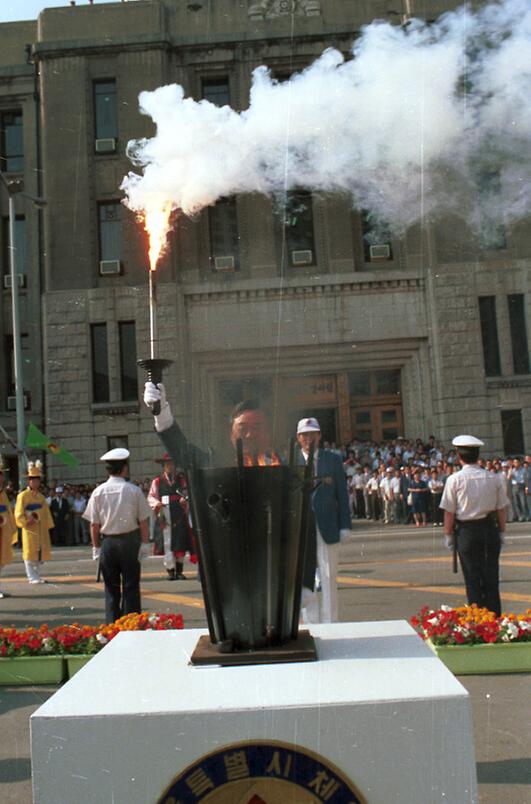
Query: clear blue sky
(11,10)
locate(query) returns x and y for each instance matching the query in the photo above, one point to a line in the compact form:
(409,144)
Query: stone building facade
(414,336)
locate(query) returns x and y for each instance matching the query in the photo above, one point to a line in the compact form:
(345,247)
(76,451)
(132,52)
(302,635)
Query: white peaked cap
(117,454)
(309,425)
(467,441)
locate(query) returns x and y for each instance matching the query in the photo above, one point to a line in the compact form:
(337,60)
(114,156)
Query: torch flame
(156,224)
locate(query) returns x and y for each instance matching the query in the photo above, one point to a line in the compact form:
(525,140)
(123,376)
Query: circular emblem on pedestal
(261,773)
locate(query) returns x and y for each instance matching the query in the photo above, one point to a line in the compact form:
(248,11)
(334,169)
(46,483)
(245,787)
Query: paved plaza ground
(386,573)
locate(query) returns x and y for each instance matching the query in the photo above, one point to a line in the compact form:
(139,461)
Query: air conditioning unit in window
(106,145)
(110,267)
(224,263)
(21,280)
(380,252)
(12,402)
(302,257)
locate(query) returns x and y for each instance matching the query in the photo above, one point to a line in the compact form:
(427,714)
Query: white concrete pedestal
(378,705)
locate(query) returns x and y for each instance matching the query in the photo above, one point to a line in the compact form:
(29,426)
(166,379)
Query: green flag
(37,440)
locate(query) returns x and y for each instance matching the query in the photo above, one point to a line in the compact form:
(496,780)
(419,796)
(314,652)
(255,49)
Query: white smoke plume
(407,127)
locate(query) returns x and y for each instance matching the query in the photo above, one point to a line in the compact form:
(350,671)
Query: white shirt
(385,486)
(473,493)
(79,505)
(395,485)
(117,506)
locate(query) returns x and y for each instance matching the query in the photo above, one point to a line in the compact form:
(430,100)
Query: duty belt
(119,535)
(485,520)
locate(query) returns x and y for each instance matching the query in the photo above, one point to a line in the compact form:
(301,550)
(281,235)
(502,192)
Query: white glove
(96,552)
(157,393)
(144,552)
(344,535)
(448,541)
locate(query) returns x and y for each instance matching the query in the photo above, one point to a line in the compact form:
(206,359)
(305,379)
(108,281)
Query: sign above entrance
(319,389)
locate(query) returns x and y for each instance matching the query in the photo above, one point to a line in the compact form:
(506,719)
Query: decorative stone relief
(269,9)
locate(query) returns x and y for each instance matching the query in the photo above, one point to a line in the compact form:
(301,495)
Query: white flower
(524,625)
(47,644)
(433,621)
(102,639)
(512,631)
(444,607)
(152,619)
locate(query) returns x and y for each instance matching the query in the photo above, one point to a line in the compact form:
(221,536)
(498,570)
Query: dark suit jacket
(330,498)
(183,452)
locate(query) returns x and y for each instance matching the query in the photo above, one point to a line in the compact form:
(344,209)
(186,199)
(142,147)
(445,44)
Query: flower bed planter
(75,663)
(485,659)
(46,655)
(30,670)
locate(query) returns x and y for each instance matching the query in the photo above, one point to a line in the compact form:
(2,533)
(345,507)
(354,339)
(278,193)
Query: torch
(156,225)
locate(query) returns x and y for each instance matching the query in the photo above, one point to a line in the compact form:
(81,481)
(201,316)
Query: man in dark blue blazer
(332,522)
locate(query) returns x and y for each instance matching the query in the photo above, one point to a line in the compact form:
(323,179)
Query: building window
(216,90)
(117,441)
(128,368)
(518,328)
(376,238)
(20,246)
(489,335)
(513,433)
(384,382)
(232,392)
(105,112)
(492,232)
(375,404)
(100,363)
(110,230)
(224,238)
(11,142)
(298,228)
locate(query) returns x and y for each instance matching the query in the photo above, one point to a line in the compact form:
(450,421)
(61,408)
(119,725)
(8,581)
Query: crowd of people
(401,482)
(394,482)
(67,503)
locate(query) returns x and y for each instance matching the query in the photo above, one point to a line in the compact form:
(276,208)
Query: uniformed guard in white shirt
(118,514)
(474,503)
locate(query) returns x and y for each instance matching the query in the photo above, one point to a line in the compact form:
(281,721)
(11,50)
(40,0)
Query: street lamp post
(14,187)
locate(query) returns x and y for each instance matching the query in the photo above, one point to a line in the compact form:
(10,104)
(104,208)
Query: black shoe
(171,574)
(181,577)
(4,594)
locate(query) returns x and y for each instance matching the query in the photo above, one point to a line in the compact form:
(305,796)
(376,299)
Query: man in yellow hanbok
(8,528)
(34,517)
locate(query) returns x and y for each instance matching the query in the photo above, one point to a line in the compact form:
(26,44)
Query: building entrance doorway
(376,423)
(375,405)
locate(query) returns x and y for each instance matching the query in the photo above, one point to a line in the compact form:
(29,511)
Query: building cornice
(76,47)
(329,286)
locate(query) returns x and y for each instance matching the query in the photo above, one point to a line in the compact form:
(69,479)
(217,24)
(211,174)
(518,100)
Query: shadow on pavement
(14,770)
(16,698)
(505,771)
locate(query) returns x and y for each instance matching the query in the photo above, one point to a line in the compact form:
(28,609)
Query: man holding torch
(249,422)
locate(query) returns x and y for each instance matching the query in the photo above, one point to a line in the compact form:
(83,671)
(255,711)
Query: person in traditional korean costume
(34,517)
(8,529)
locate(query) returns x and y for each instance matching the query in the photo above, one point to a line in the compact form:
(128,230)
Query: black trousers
(478,546)
(120,568)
